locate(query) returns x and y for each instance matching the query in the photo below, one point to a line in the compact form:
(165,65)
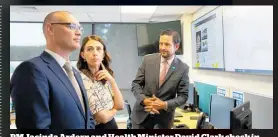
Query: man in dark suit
(161,85)
(47,92)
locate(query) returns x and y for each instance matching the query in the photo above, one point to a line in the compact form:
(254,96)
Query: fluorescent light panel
(138,9)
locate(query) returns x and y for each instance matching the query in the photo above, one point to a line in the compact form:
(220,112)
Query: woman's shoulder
(83,75)
(86,80)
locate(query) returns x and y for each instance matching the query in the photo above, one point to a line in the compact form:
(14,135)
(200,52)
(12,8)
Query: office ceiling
(104,13)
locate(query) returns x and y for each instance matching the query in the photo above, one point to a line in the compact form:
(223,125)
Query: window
(27,41)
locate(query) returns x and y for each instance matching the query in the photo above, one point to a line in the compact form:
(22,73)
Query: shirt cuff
(166,106)
(142,103)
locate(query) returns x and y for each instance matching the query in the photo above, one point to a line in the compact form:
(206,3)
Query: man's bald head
(54,17)
(62,32)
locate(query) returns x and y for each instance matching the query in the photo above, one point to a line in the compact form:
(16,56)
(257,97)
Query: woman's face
(93,53)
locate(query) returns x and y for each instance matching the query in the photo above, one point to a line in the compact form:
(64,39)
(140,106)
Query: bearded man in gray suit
(161,85)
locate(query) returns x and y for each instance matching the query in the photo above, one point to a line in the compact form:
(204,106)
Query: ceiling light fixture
(138,9)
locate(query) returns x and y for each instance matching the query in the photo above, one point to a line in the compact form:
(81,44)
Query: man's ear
(177,46)
(49,29)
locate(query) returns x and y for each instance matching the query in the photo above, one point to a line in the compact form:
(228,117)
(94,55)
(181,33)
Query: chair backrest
(128,122)
(127,105)
(201,121)
(157,126)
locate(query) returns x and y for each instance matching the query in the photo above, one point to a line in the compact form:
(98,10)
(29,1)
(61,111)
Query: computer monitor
(201,121)
(205,91)
(220,108)
(196,98)
(241,116)
(193,99)
(190,99)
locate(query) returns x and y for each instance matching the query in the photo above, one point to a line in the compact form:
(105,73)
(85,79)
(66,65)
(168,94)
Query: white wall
(255,84)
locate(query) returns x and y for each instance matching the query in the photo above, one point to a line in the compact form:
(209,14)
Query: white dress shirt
(169,62)
(61,61)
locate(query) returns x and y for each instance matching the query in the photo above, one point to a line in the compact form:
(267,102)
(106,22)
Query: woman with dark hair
(104,96)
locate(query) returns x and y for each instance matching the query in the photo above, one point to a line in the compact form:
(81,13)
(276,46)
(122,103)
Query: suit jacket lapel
(83,90)
(156,63)
(59,72)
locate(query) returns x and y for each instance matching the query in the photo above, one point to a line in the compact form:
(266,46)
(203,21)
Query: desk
(185,119)
(121,121)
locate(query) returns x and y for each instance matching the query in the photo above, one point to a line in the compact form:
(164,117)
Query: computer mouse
(176,120)
(181,126)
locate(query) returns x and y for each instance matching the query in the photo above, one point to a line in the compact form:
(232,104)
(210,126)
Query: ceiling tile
(135,17)
(15,16)
(165,18)
(138,9)
(101,13)
(171,10)
(39,16)
(35,16)
(104,17)
(103,9)
(84,9)
(82,17)
(23,9)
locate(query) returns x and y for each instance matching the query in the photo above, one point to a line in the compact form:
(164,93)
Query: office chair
(128,122)
(157,126)
(127,105)
(202,124)
(201,121)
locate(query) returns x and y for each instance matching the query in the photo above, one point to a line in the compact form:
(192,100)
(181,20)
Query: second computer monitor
(220,107)
(190,99)
(241,116)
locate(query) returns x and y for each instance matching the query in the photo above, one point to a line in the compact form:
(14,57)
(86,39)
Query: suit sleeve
(182,92)
(139,83)
(30,93)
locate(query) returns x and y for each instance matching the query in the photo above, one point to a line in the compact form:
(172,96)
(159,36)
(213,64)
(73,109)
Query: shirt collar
(169,61)
(61,61)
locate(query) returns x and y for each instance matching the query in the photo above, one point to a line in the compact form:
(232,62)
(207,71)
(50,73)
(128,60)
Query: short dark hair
(173,33)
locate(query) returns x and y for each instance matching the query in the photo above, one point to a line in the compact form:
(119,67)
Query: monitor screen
(190,99)
(220,107)
(241,116)
(148,36)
